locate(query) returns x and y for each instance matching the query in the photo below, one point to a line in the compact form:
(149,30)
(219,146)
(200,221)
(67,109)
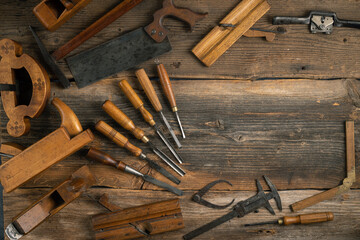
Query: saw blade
(163,185)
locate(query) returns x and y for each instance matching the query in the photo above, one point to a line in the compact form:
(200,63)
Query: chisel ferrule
(133,171)
(174,109)
(145,139)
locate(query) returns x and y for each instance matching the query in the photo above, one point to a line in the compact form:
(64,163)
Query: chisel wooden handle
(149,89)
(166,86)
(308,218)
(117,137)
(136,101)
(104,158)
(121,118)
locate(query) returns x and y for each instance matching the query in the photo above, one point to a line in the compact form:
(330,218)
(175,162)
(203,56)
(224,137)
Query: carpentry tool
(243,207)
(51,149)
(123,142)
(221,38)
(128,50)
(197,197)
(106,159)
(100,24)
(300,219)
(151,94)
(50,61)
(51,203)
(319,22)
(12,57)
(54,13)
(121,118)
(138,104)
(347,182)
(166,86)
(151,219)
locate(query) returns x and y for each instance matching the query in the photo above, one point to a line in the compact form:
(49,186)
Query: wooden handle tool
(151,94)
(166,86)
(105,159)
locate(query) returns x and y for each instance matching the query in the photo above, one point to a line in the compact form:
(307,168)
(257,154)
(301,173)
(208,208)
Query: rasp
(128,50)
(106,159)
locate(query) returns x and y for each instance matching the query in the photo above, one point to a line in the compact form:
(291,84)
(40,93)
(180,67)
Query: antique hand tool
(50,61)
(151,94)
(261,199)
(166,86)
(54,13)
(221,38)
(51,149)
(319,22)
(12,57)
(300,219)
(128,50)
(150,219)
(197,197)
(138,104)
(100,24)
(106,159)
(347,182)
(51,203)
(123,142)
(121,118)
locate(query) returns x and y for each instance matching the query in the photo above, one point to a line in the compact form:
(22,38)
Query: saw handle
(136,101)
(149,89)
(117,137)
(308,218)
(121,118)
(104,158)
(166,86)
(158,32)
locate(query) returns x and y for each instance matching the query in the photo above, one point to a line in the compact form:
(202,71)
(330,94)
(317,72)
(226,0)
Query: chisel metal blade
(168,144)
(163,185)
(172,133)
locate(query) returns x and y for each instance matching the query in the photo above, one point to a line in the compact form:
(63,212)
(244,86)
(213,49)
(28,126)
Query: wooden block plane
(54,13)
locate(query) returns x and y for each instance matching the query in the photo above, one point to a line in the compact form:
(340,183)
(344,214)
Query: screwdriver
(121,118)
(138,104)
(300,219)
(151,94)
(123,142)
(166,86)
(106,159)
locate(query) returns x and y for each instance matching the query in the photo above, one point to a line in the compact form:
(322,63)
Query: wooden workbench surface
(275,109)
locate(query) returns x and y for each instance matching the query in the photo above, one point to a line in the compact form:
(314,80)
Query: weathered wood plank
(296,54)
(73,222)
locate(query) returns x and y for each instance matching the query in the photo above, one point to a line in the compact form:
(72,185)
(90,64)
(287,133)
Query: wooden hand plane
(50,203)
(51,149)
(54,13)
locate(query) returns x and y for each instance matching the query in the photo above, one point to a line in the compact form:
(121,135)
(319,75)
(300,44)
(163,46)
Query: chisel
(106,159)
(300,219)
(121,118)
(138,104)
(151,94)
(123,142)
(166,86)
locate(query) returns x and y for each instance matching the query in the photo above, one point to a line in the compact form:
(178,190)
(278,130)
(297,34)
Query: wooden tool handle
(121,118)
(149,89)
(156,29)
(117,137)
(136,101)
(67,4)
(104,158)
(350,147)
(69,119)
(309,218)
(166,85)
(96,27)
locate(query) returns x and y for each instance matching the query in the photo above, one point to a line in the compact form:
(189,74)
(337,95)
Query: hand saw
(130,49)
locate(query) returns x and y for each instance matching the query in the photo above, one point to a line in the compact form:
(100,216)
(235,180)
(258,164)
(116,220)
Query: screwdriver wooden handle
(166,86)
(121,118)
(117,137)
(149,89)
(309,218)
(136,101)
(104,158)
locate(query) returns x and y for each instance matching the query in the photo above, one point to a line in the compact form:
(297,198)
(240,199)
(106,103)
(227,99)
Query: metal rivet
(153,32)
(161,33)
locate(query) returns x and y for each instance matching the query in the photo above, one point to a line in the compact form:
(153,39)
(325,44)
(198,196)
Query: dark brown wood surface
(290,127)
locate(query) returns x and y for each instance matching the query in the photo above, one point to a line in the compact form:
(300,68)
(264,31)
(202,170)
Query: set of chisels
(122,53)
